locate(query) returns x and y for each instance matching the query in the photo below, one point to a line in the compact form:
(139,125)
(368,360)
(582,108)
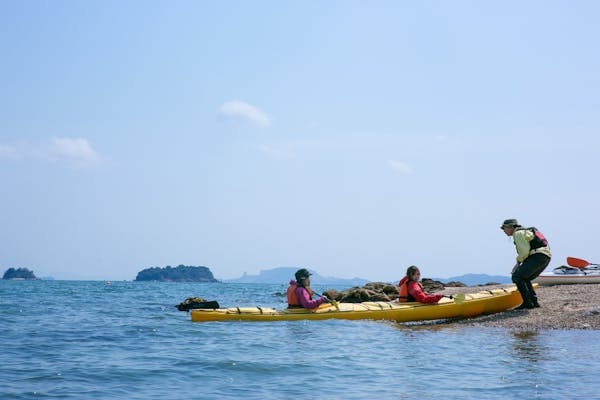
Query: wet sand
(561,307)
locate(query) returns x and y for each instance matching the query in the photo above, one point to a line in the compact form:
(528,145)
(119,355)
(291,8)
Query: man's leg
(517,278)
(529,270)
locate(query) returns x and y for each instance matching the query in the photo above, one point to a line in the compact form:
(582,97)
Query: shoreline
(574,306)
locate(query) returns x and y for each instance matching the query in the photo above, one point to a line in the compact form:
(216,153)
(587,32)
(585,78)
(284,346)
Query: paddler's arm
(304,299)
(415,291)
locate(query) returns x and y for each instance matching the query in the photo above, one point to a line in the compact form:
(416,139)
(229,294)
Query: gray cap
(510,223)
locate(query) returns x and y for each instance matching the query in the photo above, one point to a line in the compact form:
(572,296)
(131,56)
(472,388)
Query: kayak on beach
(474,304)
(568,275)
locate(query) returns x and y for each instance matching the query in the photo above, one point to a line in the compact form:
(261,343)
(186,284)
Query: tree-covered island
(18,273)
(181,273)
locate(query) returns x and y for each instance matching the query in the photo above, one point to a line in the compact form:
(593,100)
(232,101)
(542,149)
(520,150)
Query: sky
(352,138)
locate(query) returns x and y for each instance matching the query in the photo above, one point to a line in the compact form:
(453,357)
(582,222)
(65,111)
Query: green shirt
(521,238)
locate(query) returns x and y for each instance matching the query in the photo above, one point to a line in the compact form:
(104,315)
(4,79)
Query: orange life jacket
(291,295)
(404,296)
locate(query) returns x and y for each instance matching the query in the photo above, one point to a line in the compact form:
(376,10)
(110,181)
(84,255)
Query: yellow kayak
(474,304)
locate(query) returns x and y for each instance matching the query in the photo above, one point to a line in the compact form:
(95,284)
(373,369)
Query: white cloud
(275,152)
(7,151)
(74,148)
(401,167)
(239,110)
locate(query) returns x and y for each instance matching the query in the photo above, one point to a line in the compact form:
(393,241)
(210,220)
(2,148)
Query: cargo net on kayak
(197,302)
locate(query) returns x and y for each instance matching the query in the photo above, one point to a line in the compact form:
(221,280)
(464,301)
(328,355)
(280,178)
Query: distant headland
(181,273)
(282,275)
(19,273)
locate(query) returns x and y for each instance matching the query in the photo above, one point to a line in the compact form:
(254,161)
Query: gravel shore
(561,307)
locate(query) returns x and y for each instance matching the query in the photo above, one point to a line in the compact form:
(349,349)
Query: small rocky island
(19,273)
(181,273)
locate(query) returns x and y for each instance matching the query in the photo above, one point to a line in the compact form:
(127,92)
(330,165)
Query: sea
(127,340)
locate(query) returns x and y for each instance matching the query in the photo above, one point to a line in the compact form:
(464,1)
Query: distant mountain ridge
(285,274)
(476,279)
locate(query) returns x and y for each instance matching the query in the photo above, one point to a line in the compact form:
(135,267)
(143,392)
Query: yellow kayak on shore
(474,304)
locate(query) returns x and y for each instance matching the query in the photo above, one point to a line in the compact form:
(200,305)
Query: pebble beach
(561,307)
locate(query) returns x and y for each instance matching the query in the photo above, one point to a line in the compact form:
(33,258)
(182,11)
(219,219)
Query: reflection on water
(527,346)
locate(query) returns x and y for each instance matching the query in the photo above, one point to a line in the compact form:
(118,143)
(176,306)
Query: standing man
(533,255)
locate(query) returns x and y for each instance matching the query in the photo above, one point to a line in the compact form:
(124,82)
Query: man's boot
(527,302)
(534,301)
(532,294)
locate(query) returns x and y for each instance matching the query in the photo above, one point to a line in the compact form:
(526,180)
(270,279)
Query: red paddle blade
(577,262)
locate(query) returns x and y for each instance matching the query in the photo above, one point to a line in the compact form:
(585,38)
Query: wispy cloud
(66,149)
(275,152)
(7,151)
(236,109)
(401,167)
(77,149)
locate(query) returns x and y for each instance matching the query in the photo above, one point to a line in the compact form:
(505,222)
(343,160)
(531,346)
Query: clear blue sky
(354,138)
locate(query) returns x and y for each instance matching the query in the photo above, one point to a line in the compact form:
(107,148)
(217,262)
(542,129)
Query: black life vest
(538,239)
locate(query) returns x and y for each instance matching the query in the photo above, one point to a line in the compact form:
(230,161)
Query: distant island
(284,274)
(19,273)
(181,273)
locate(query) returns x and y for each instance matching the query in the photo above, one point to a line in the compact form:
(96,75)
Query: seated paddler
(411,288)
(299,293)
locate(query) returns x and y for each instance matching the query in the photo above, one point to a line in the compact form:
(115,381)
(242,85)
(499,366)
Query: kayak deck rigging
(474,304)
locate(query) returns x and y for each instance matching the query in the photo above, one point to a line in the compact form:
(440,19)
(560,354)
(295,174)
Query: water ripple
(87,340)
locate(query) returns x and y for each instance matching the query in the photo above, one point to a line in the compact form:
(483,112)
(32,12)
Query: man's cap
(302,273)
(509,223)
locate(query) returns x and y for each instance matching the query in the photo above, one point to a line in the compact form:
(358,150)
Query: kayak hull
(553,279)
(487,302)
(568,275)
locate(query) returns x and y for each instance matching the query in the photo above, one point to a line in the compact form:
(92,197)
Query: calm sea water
(89,340)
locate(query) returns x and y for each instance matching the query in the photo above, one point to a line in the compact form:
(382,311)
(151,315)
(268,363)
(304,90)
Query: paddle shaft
(335,303)
(458,298)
